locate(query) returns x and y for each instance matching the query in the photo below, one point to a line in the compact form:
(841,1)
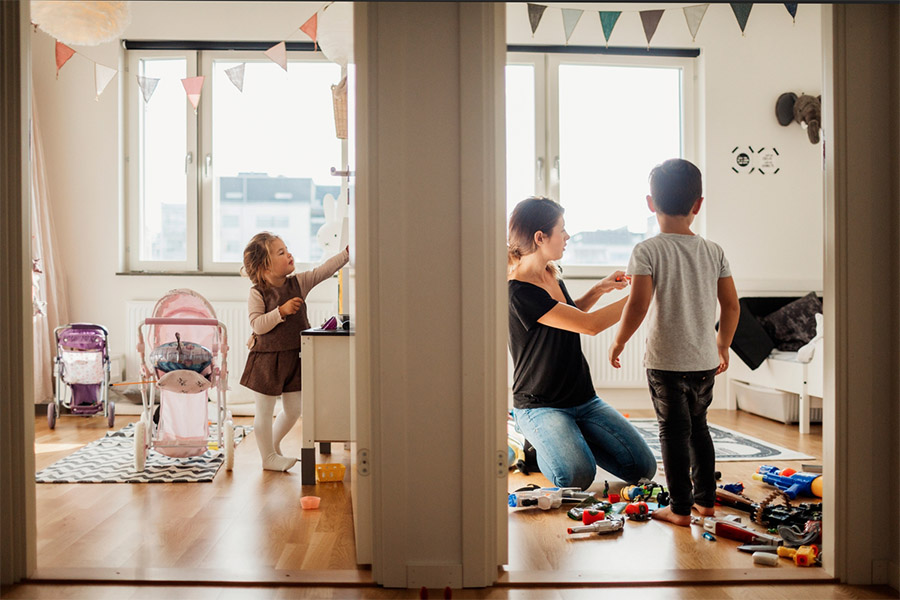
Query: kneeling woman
(555,405)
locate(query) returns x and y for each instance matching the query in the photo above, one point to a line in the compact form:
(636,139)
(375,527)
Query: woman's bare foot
(665,514)
(706,511)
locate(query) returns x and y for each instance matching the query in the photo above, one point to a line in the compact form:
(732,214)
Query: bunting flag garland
(535,13)
(63,54)
(102,76)
(236,75)
(147,85)
(278,54)
(650,20)
(742,13)
(192,86)
(608,20)
(570,20)
(694,15)
(792,9)
(310,27)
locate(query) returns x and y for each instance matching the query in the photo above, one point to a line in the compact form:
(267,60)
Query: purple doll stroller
(82,364)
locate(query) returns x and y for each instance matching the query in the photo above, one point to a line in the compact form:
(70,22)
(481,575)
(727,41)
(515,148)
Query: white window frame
(547,167)
(199,249)
(133,102)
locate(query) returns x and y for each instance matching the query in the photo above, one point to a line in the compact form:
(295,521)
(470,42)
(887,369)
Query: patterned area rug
(111,460)
(730,445)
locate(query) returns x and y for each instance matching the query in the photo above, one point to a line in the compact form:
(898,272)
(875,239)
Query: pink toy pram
(188,358)
(82,373)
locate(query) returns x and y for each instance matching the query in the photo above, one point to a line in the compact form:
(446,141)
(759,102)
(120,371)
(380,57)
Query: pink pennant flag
(278,54)
(63,54)
(193,85)
(310,27)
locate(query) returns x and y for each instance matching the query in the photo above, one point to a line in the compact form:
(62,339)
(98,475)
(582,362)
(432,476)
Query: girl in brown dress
(277,316)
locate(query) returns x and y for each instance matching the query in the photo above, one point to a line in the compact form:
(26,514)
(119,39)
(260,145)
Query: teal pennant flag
(608,20)
(535,13)
(742,13)
(792,8)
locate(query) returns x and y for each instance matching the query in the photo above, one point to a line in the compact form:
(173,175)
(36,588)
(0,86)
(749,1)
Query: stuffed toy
(804,109)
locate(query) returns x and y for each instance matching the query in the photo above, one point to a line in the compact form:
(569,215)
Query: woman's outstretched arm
(563,316)
(614,281)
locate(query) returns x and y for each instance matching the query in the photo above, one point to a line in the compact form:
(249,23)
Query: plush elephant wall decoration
(804,109)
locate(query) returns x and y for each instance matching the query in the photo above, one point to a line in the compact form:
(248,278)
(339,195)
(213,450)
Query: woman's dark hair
(675,185)
(528,217)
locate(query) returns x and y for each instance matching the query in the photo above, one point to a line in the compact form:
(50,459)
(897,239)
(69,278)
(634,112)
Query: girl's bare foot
(666,514)
(706,511)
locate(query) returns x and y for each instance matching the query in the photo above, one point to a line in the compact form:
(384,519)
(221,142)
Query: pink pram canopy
(189,304)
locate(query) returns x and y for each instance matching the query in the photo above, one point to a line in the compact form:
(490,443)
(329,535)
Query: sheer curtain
(51,302)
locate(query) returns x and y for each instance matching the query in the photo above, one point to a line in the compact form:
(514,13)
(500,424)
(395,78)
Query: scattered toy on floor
(791,482)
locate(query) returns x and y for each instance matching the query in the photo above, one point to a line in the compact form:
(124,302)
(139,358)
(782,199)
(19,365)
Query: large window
(586,130)
(202,183)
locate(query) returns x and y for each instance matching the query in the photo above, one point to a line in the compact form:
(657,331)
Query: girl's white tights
(269,447)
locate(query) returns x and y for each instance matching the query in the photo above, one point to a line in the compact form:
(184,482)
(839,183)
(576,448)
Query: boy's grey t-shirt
(682,322)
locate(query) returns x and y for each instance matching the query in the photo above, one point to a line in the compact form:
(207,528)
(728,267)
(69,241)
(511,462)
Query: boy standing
(687,275)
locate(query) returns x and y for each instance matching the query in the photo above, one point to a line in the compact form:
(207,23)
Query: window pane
(520,125)
(273,146)
(163,185)
(615,124)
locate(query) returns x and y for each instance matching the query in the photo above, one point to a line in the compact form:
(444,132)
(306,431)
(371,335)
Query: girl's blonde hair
(528,217)
(256,258)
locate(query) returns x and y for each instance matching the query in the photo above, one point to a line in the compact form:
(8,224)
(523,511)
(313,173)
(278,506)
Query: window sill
(176,274)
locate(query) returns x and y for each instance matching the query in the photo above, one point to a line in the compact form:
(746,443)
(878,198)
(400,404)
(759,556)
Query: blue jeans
(572,442)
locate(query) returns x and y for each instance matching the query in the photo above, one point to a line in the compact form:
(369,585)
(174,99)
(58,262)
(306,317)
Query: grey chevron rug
(111,460)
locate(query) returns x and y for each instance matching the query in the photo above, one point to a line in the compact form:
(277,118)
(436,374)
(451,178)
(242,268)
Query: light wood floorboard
(247,526)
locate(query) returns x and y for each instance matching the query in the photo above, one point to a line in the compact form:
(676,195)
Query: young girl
(277,316)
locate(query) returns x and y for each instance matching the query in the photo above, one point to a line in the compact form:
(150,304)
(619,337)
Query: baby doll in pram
(187,359)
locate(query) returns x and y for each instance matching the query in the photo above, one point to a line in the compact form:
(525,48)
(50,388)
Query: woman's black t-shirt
(550,369)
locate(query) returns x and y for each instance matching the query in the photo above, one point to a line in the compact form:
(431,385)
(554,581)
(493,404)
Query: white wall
(771,226)
(81,139)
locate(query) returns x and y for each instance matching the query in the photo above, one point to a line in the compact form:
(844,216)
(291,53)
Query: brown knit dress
(273,364)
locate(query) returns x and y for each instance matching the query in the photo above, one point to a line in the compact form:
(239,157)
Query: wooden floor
(247,527)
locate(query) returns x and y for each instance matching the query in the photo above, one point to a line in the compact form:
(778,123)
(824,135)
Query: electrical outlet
(362,461)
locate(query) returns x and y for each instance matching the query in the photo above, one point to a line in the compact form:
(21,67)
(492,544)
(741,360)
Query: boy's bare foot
(706,511)
(665,514)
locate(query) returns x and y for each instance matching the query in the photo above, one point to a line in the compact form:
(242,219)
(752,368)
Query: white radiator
(237,324)
(632,373)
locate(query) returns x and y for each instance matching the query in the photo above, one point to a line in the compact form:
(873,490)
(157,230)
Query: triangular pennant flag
(339,100)
(792,8)
(148,86)
(102,76)
(310,27)
(63,54)
(236,75)
(535,13)
(608,20)
(570,20)
(278,54)
(192,86)
(742,13)
(694,15)
(650,20)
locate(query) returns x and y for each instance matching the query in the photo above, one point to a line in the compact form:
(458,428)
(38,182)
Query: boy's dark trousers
(681,399)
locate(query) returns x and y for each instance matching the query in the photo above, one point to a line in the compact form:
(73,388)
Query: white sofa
(779,373)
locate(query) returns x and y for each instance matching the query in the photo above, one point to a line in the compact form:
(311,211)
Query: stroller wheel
(229,445)
(111,418)
(51,415)
(140,444)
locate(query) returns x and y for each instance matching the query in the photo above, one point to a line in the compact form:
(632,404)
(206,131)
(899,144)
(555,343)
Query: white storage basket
(774,404)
